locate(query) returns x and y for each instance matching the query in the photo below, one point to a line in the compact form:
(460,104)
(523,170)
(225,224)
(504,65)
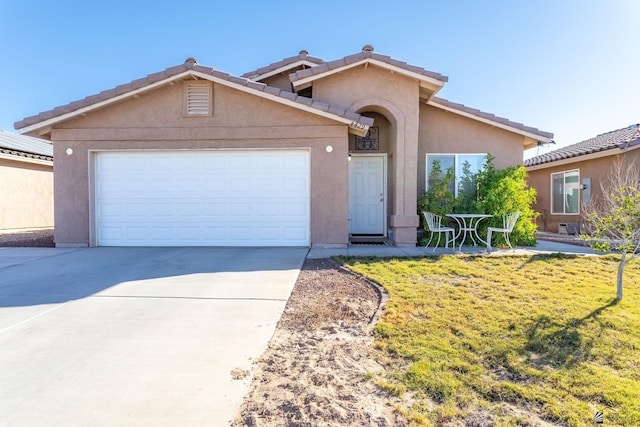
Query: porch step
(369,240)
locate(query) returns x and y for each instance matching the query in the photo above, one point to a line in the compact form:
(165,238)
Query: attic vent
(198,99)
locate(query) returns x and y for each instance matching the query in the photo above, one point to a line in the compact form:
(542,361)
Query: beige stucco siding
(26,195)
(373,89)
(445,132)
(239,121)
(539,177)
(281,80)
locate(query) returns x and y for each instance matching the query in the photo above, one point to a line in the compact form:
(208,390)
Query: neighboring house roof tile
(25,146)
(620,139)
(443,103)
(193,67)
(19,154)
(283,65)
(361,56)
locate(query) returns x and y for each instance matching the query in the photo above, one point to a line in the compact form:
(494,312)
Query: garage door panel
(298,209)
(294,233)
(202,198)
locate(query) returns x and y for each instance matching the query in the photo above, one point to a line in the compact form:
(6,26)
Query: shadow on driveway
(63,275)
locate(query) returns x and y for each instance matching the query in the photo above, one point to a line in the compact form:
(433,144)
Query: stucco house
(26,178)
(301,152)
(570,178)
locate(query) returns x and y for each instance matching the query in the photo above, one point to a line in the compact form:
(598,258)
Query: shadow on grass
(546,257)
(564,345)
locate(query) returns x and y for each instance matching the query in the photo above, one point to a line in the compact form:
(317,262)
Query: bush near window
(492,191)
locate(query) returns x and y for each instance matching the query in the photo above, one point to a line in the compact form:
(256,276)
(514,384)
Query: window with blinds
(197,99)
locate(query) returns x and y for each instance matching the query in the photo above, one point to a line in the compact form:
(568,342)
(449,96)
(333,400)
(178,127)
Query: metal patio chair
(434,225)
(508,222)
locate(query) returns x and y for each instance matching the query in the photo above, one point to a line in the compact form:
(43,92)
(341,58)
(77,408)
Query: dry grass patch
(509,340)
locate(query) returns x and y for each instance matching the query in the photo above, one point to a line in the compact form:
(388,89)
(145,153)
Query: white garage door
(202,198)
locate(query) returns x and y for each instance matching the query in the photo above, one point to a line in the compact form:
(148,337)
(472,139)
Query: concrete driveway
(135,336)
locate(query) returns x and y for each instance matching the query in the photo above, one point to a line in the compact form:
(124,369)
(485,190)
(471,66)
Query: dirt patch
(41,238)
(318,366)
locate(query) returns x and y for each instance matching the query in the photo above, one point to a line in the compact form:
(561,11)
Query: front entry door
(367,179)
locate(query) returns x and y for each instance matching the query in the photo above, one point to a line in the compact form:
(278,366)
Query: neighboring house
(302,152)
(26,182)
(570,178)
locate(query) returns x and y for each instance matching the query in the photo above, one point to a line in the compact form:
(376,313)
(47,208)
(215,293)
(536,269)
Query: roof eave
(25,159)
(530,138)
(48,123)
(283,69)
(357,125)
(613,151)
(427,82)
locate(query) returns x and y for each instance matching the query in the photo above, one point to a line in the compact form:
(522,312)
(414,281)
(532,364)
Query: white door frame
(384,189)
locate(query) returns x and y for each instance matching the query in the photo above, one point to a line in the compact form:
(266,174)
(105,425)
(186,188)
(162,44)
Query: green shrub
(502,191)
(492,191)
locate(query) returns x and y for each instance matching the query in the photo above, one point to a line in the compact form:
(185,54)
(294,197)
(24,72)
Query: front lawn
(514,340)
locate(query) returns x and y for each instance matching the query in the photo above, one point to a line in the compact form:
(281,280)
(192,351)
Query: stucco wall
(539,177)
(281,80)
(445,132)
(155,121)
(373,89)
(26,195)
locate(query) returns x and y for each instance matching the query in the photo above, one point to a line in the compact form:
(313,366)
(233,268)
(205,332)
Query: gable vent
(198,99)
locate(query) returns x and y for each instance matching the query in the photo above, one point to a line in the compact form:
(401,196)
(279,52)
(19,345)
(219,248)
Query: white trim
(564,193)
(355,126)
(104,103)
(26,159)
(433,81)
(385,186)
(359,128)
(282,69)
(485,120)
(455,167)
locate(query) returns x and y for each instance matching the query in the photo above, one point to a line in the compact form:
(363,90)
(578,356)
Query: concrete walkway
(390,251)
(135,336)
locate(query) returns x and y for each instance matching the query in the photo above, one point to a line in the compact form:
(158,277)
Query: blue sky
(571,67)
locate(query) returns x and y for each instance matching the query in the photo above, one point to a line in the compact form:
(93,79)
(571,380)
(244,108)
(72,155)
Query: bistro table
(468,226)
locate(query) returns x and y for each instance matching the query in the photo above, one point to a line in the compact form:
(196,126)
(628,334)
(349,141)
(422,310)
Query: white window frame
(455,167)
(564,192)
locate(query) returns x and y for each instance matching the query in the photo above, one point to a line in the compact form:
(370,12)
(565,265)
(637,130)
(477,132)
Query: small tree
(614,220)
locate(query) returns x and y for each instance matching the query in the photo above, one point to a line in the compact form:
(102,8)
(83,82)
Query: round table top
(469,215)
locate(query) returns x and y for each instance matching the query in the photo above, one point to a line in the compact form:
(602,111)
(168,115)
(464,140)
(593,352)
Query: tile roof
(25,146)
(192,66)
(441,102)
(283,64)
(607,141)
(361,56)
(102,96)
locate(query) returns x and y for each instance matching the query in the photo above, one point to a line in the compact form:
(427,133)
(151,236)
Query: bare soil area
(316,370)
(40,238)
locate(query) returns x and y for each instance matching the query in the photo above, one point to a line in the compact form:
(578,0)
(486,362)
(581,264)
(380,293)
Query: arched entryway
(369,201)
(398,139)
